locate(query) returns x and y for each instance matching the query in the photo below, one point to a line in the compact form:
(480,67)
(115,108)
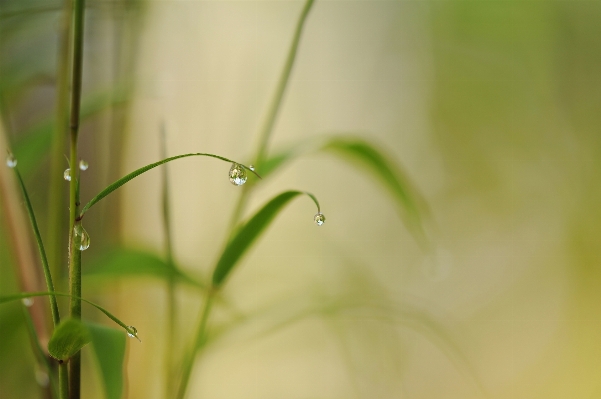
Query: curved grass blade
(124,262)
(146,168)
(38,237)
(109,348)
(15,297)
(366,157)
(67,339)
(250,231)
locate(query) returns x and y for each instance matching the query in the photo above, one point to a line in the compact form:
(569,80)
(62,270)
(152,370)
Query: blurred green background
(490,107)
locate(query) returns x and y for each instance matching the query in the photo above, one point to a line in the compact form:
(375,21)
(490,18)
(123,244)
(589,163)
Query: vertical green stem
(74,241)
(56,201)
(272,112)
(171,319)
(198,342)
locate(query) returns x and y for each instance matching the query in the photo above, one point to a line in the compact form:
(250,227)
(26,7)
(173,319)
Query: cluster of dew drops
(238,177)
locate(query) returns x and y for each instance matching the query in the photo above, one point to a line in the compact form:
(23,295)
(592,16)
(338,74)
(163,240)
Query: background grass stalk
(171,318)
(198,343)
(56,200)
(74,252)
(272,112)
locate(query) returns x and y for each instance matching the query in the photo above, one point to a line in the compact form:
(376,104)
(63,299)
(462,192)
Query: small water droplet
(237,174)
(134,330)
(319,219)
(83,236)
(251,167)
(42,378)
(83,165)
(11,161)
(67,174)
(27,302)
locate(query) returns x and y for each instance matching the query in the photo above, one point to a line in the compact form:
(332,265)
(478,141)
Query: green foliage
(68,338)
(109,350)
(249,232)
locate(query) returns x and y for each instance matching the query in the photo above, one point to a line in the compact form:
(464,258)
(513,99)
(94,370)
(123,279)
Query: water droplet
(251,167)
(42,378)
(319,219)
(83,165)
(83,236)
(67,174)
(27,301)
(134,330)
(11,161)
(237,174)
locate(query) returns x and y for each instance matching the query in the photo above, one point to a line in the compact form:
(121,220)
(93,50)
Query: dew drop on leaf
(67,174)
(83,165)
(83,236)
(251,167)
(319,219)
(134,330)
(27,301)
(237,174)
(11,161)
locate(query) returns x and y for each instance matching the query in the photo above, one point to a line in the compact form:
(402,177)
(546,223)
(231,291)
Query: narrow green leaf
(68,338)
(146,168)
(124,262)
(367,158)
(250,231)
(109,349)
(15,297)
(38,237)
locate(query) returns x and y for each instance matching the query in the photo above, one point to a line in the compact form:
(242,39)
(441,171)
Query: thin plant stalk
(171,318)
(272,112)
(74,240)
(261,153)
(56,200)
(198,342)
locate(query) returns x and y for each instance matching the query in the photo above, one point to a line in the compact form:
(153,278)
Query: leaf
(68,338)
(367,158)
(112,187)
(249,232)
(109,348)
(124,262)
(14,297)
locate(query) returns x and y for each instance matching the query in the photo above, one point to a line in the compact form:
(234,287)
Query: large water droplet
(67,174)
(237,174)
(11,161)
(251,167)
(83,236)
(134,330)
(27,302)
(319,219)
(83,165)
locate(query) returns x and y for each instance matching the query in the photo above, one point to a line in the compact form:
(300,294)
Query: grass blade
(38,237)
(146,168)
(68,338)
(250,231)
(367,158)
(109,348)
(15,297)
(124,262)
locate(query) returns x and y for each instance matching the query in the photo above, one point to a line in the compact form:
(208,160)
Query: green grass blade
(15,297)
(250,231)
(367,158)
(124,262)
(38,237)
(146,168)
(67,339)
(109,349)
